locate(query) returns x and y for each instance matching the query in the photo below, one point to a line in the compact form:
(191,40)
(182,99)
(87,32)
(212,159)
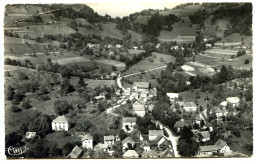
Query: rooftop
(208,148)
(109,138)
(181,124)
(61,119)
(128,139)
(142,84)
(76,151)
(150,153)
(233,100)
(205,134)
(129,119)
(87,136)
(155,132)
(220,143)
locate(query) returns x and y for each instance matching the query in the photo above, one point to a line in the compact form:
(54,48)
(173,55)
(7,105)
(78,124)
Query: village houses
(61,123)
(127,141)
(172,96)
(141,86)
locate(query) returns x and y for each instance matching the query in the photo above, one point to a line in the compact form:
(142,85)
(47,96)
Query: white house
(128,123)
(233,100)
(190,107)
(208,46)
(139,109)
(141,86)
(187,68)
(109,140)
(87,141)
(154,133)
(172,96)
(60,123)
(222,146)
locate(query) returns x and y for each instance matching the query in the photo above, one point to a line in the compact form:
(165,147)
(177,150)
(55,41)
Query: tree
(22,76)
(40,124)
(118,151)
(83,125)
(101,107)
(12,139)
(26,104)
(61,107)
(65,86)
(107,95)
(18,97)
(66,149)
(246,61)
(15,109)
(81,82)
(9,93)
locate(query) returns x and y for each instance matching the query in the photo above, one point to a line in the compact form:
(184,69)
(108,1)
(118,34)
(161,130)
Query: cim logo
(13,151)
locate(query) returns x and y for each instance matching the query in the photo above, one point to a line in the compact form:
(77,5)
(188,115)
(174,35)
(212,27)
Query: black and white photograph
(128,80)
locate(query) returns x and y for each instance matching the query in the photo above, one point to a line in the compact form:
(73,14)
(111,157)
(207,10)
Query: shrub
(15,109)
(246,61)
(26,105)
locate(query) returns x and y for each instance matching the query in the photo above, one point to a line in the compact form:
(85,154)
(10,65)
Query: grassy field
(93,83)
(107,64)
(146,65)
(79,59)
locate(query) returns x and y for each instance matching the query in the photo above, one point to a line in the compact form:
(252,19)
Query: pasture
(107,64)
(73,60)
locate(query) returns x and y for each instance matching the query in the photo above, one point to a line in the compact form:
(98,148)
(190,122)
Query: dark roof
(208,148)
(76,151)
(109,138)
(204,134)
(220,143)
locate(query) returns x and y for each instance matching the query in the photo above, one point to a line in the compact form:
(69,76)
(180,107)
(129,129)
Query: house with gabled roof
(60,123)
(139,109)
(233,100)
(75,153)
(172,96)
(167,153)
(150,154)
(144,94)
(222,146)
(109,140)
(129,124)
(126,141)
(141,86)
(204,136)
(130,154)
(154,133)
(87,141)
(207,150)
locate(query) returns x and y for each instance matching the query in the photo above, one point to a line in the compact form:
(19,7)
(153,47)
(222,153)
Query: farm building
(60,123)
(141,86)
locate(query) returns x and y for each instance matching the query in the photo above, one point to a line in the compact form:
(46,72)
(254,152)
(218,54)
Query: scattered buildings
(60,123)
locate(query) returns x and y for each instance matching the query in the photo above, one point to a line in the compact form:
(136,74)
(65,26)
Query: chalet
(130,154)
(168,153)
(75,153)
(204,136)
(179,125)
(187,68)
(144,94)
(60,123)
(233,100)
(190,107)
(127,141)
(207,150)
(30,135)
(145,145)
(154,133)
(150,154)
(222,146)
(87,141)
(139,109)
(109,140)
(141,86)
(172,96)
(129,123)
